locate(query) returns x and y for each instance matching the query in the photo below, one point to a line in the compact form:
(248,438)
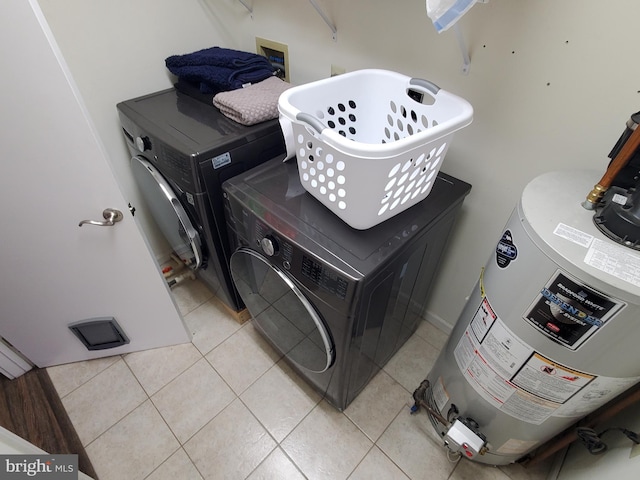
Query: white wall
(552,83)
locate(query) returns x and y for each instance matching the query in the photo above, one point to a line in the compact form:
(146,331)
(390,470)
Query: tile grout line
(385,430)
(278,444)
(126,414)
(148,398)
(88,379)
(238,396)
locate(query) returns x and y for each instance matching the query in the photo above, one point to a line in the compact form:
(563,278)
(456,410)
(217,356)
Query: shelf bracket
(249,9)
(466,62)
(334,31)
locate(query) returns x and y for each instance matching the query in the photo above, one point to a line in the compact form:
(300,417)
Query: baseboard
(241,317)
(438,322)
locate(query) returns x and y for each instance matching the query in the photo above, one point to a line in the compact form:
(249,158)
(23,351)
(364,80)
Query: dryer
(182,151)
(335,301)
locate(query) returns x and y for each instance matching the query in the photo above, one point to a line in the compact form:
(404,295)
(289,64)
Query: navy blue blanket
(219,69)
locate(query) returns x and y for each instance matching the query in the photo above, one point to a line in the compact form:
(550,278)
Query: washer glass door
(281,311)
(168,212)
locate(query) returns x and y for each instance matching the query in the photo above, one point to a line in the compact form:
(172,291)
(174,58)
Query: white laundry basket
(369,143)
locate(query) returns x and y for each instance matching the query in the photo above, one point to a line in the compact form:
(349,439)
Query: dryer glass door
(281,311)
(168,212)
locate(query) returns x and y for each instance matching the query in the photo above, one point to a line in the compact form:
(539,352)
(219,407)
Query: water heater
(550,332)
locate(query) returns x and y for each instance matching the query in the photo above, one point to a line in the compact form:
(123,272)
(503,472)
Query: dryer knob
(143,143)
(269,245)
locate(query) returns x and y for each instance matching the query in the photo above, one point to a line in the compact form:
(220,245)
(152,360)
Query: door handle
(110,215)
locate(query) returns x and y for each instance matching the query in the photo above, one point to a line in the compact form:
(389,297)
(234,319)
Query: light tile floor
(226,406)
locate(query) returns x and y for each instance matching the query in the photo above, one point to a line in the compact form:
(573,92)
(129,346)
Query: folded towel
(220,69)
(253,104)
(217,57)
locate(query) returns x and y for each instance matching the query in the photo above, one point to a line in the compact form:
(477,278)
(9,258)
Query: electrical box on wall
(278,55)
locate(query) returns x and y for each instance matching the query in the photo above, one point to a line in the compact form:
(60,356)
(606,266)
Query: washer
(335,301)
(183,150)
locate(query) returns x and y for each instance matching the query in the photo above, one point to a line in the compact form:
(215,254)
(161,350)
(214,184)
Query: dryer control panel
(326,279)
(312,272)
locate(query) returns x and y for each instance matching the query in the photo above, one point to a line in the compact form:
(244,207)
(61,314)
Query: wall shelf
(249,9)
(466,62)
(332,27)
(314,3)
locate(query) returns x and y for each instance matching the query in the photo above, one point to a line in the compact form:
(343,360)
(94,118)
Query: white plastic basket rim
(376,150)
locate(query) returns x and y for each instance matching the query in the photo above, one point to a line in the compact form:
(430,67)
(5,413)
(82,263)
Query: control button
(467,450)
(143,143)
(269,245)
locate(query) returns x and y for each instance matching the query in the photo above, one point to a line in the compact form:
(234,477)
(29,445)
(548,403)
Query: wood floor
(31,408)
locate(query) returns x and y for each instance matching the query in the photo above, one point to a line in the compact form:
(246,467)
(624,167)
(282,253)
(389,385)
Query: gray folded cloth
(253,104)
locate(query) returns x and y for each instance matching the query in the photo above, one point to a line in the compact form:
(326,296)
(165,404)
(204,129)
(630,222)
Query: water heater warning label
(569,312)
(520,381)
(550,380)
(614,260)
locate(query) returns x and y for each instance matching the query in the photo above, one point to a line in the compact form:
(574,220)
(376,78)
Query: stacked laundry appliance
(337,302)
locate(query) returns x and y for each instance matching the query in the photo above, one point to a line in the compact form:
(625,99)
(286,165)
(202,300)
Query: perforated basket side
(365,192)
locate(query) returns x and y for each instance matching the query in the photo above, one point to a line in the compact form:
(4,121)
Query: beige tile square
(155,368)
(539,471)
(468,470)
(377,465)
(326,444)
(378,404)
(177,467)
(104,400)
(210,325)
(134,447)
(190,294)
(280,399)
(231,445)
(192,399)
(432,334)
(277,466)
(243,358)
(411,364)
(66,378)
(409,443)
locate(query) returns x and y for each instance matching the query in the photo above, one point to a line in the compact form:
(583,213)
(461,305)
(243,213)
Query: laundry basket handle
(312,121)
(425,85)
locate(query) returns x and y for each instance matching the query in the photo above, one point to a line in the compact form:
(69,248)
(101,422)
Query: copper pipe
(620,160)
(419,398)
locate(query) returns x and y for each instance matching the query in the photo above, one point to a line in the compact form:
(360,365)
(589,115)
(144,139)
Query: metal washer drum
(183,149)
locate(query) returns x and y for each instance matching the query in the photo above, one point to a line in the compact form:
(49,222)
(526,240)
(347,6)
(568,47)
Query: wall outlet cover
(336,70)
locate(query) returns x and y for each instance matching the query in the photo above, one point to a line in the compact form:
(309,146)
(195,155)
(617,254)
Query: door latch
(111,217)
